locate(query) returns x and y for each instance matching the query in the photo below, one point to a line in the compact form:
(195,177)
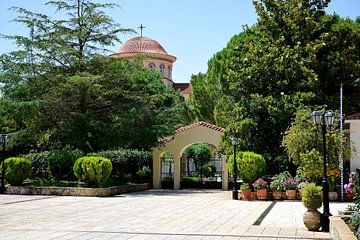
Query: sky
(191,30)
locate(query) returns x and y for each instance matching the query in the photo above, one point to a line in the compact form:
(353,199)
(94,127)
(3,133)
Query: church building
(156,58)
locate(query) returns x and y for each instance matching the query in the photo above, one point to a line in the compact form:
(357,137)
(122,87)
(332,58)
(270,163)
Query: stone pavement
(154,214)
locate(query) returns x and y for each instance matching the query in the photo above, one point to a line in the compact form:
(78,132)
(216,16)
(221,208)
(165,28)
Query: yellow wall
(197,134)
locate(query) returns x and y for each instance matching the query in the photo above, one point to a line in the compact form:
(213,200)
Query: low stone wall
(339,230)
(75,191)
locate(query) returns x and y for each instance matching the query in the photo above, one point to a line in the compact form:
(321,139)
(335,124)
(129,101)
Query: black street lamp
(324,120)
(235,191)
(4,138)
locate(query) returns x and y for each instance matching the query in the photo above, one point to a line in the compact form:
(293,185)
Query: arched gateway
(199,132)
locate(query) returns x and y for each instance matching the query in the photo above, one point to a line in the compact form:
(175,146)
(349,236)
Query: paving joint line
(28,200)
(264,214)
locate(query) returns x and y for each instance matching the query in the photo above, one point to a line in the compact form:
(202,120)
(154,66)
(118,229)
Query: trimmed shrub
(126,162)
(17,169)
(249,165)
(311,196)
(93,170)
(61,162)
(39,165)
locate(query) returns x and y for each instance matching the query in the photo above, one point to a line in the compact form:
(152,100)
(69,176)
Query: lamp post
(4,138)
(235,191)
(324,120)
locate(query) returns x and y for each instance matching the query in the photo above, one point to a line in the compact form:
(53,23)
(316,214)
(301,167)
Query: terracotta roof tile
(188,127)
(185,88)
(201,123)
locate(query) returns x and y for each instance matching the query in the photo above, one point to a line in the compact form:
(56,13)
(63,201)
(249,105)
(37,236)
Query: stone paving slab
(185,214)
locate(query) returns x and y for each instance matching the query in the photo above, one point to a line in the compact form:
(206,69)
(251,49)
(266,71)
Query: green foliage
(206,171)
(190,179)
(200,153)
(39,164)
(245,186)
(311,196)
(144,174)
(17,169)
(126,162)
(93,170)
(295,56)
(57,90)
(275,184)
(303,144)
(250,165)
(61,162)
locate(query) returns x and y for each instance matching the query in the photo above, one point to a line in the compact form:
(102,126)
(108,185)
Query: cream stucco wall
(355,140)
(197,134)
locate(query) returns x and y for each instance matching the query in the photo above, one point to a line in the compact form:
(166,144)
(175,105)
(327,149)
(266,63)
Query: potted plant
(260,185)
(290,187)
(275,186)
(246,191)
(312,200)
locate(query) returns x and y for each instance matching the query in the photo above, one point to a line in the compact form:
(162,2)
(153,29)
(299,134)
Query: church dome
(141,45)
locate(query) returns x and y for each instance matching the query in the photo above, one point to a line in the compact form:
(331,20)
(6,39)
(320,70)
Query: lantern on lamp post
(324,120)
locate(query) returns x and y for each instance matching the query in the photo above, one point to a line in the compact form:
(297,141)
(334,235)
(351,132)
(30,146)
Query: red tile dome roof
(141,45)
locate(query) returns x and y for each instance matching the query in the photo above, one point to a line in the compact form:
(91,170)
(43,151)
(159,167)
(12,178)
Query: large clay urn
(312,219)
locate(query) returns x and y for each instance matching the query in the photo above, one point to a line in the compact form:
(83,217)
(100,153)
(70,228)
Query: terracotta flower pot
(276,194)
(291,194)
(246,194)
(312,219)
(261,194)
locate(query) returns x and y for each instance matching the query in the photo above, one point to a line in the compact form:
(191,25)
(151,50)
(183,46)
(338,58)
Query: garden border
(339,230)
(77,191)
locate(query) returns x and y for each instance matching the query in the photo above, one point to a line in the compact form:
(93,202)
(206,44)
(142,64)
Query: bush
(187,179)
(126,162)
(39,165)
(144,174)
(311,196)
(61,162)
(206,171)
(93,170)
(250,165)
(17,169)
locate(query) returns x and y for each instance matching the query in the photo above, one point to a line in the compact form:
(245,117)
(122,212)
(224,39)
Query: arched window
(162,70)
(151,66)
(169,72)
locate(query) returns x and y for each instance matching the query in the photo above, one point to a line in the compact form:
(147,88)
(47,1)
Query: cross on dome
(141,29)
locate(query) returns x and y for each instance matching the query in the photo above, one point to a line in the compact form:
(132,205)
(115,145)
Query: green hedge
(17,169)
(126,162)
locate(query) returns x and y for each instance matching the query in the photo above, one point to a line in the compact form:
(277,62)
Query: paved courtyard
(185,214)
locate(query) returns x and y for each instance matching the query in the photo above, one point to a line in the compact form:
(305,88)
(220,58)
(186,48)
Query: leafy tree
(303,144)
(200,153)
(295,56)
(57,89)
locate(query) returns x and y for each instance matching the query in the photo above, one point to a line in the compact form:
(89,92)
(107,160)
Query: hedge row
(125,162)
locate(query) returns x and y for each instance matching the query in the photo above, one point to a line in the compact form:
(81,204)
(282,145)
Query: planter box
(339,230)
(74,191)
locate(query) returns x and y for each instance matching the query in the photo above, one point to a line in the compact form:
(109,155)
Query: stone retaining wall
(75,191)
(339,230)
